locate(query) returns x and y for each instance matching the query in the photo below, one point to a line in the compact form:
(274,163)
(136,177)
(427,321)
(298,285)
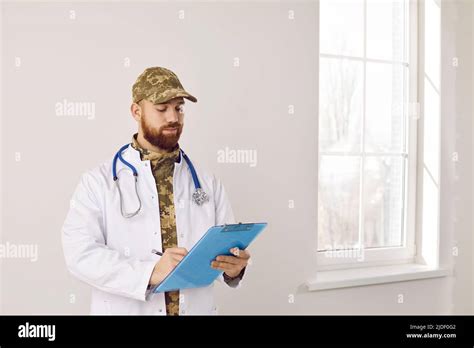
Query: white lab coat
(113,254)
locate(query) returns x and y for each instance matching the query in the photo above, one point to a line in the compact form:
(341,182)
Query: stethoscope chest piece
(200,197)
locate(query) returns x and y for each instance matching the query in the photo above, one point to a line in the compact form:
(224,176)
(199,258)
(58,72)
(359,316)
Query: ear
(136,111)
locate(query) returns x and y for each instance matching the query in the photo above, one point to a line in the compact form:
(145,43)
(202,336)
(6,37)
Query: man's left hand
(232,265)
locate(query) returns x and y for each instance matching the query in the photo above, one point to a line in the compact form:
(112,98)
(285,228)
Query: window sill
(346,278)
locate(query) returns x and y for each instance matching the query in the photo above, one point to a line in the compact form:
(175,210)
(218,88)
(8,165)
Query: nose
(172,115)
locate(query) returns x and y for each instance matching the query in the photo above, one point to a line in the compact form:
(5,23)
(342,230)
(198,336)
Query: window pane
(383,201)
(342,27)
(338,217)
(384,121)
(340,104)
(386,29)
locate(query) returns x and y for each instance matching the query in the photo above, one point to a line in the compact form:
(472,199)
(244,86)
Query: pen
(154,251)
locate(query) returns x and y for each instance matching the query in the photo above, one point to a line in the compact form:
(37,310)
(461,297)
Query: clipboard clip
(240,227)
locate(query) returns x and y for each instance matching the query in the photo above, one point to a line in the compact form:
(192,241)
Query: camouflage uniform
(162,167)
(158,85)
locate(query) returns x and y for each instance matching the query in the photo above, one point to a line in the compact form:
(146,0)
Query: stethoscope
(199,196)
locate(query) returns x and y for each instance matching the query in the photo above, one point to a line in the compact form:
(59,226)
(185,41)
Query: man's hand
(171,257)
(232,265)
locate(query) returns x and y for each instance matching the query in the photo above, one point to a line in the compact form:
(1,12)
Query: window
(367,144)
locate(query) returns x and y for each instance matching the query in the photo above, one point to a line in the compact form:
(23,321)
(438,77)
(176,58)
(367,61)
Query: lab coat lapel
(143,168)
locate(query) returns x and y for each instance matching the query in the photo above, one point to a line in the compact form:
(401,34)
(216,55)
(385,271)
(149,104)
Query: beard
(155,137)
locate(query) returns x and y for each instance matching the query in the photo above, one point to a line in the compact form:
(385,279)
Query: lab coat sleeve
(224,215)
(86,253)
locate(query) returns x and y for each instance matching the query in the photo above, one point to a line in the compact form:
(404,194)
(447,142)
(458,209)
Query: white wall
(472,163)
(457,122)
(243,108)
(1,150)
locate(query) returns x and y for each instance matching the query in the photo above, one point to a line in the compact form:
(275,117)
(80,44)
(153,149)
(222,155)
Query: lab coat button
(160,310)
(181,235)
(183,311)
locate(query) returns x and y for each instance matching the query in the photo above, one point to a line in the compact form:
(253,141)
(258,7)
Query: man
(115,252)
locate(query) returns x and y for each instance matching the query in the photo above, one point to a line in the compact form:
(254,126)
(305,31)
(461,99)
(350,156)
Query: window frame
(407,252)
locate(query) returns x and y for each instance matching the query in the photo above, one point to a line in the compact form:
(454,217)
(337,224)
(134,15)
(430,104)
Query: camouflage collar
(156,157)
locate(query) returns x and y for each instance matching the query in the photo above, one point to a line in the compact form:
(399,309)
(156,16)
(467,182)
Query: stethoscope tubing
(199,195)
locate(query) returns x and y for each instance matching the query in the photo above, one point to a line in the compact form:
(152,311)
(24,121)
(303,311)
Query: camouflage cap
(158,85)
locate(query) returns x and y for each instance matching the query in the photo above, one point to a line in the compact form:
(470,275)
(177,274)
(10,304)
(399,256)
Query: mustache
(171,125)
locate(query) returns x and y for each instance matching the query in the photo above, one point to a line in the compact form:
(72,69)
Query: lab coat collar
(134,156)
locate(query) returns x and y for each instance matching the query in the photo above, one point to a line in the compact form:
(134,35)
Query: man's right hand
(171,257)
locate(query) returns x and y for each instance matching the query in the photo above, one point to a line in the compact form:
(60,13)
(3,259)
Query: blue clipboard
(194,270)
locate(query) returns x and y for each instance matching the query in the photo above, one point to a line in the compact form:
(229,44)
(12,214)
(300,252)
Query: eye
(161,110)
(180,108)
